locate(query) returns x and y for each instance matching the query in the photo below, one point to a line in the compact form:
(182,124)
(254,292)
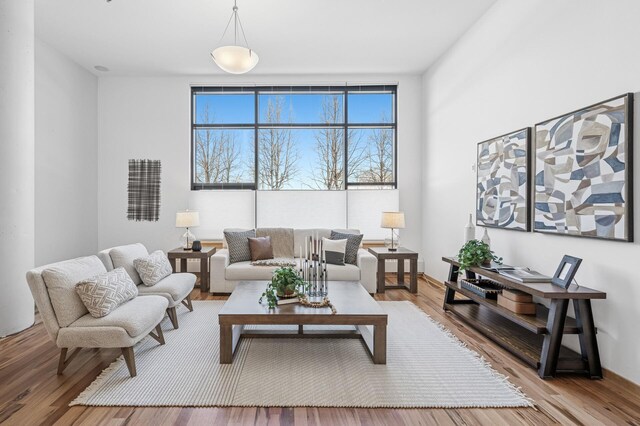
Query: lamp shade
(393,220)
(235,59)
(187,219)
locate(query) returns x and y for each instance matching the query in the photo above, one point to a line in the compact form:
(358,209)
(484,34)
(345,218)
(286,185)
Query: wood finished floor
(31,393)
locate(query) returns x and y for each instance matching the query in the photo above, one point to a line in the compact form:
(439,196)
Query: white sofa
(225,276)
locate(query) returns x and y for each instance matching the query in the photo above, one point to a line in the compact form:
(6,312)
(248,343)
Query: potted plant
(475,253)
(285,283)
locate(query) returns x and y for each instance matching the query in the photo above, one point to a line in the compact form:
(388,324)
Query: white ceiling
(158,37)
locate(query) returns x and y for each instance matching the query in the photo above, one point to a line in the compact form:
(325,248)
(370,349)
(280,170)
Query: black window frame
(256,126)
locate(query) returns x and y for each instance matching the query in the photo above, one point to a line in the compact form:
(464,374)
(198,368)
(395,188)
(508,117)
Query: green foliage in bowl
(476,253)
(285,283)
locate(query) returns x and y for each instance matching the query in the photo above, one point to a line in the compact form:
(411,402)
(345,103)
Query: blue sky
(297,108)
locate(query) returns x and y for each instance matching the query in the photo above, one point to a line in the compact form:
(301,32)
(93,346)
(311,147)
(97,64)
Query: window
(279,138)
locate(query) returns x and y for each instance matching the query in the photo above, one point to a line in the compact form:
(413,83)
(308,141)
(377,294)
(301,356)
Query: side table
(183,255)
(401,254)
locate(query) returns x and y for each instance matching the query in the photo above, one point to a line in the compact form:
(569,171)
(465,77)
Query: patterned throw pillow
(153,268)
(105,292)
(334,251)
(238,243)
(353,245)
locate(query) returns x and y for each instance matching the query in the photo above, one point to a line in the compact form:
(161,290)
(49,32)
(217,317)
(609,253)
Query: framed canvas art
(502,187)
(583,172)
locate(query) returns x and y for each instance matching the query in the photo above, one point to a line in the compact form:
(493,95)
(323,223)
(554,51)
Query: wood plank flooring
(31,393)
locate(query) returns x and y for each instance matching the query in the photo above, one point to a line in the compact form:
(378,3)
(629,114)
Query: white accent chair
(176,288)
(225,276)
(69,323)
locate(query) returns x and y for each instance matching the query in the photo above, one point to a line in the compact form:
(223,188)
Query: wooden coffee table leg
(226,344)
(380,344)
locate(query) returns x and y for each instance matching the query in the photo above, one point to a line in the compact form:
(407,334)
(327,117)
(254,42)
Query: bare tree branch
(277,151)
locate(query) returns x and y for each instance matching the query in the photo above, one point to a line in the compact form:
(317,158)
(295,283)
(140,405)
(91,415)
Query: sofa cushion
(103,293)
(123,256)
(276,261)
(344,272)
(239,245)
(353,244)
(260,248)
(334,251)
(136,316)
(61,279)
(153,268)
(246,271)
(281,240)
(175,287)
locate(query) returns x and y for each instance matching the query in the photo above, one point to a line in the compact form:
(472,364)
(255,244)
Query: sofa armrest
(368,265)
(217,266)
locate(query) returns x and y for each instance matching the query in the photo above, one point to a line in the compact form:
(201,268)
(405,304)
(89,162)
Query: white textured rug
(426,367)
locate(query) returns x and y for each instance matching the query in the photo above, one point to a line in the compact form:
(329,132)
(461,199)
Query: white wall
(147,117)
(522,63)
(66,219)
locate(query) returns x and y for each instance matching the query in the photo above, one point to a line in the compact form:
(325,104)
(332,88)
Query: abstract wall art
(502,190)
(144,190)
(583,172)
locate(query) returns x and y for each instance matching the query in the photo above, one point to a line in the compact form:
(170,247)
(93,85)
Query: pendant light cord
(235,17)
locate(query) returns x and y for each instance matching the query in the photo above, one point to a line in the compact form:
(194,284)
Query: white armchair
(69,323)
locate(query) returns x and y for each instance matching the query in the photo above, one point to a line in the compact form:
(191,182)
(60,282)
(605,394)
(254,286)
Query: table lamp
(392,220)
(187,219)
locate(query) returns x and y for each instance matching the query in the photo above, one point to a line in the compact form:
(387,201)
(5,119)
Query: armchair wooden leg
(159,336)
(173,316)
(64,361)
(130,359)
(187,302)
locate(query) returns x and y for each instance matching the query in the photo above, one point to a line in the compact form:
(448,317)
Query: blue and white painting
(582,172)
(502,191)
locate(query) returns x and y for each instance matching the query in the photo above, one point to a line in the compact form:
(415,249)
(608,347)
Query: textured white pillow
(153,268)
(334,251)
(105,292)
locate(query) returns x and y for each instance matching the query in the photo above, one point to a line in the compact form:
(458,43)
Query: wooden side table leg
(172,261)
(204,275)
(183,265)
(587,336)
(413,280)
(380,276)
(400,271)
(553,340)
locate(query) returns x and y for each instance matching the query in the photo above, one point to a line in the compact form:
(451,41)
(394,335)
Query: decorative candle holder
(313,268)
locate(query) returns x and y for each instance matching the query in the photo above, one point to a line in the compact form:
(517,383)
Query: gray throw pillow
(103,293)
(353,245)
(238,243)
(153,268)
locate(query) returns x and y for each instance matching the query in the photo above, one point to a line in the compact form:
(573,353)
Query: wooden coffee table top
(352,302)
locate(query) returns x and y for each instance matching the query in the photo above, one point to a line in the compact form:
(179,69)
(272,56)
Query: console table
(204,255)
(535,339)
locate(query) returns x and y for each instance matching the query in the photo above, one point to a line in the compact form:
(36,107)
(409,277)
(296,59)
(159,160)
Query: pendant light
(235,59)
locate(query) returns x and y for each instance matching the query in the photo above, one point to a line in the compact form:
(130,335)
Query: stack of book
(288,300)
(524,275)
(517,301)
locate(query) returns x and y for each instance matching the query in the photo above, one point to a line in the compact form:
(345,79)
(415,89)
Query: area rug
(426,367)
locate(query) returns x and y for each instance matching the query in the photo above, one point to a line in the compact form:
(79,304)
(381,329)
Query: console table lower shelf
(535,339)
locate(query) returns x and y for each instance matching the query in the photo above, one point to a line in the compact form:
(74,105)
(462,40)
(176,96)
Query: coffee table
(354,306)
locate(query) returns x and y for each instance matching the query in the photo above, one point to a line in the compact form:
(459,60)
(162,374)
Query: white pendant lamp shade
(235,59)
